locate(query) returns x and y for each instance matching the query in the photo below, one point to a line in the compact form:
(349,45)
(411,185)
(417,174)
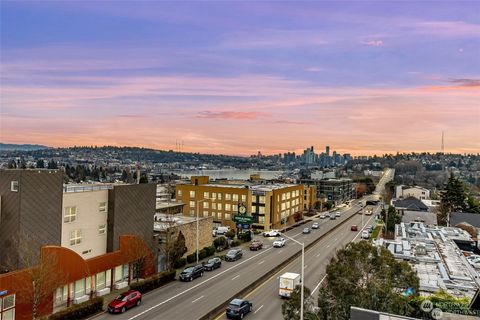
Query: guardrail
(221,307)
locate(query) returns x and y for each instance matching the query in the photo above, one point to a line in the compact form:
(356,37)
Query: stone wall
(189,231)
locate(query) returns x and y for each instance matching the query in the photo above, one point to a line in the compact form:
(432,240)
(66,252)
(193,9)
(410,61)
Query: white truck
(220,231)
(288,282)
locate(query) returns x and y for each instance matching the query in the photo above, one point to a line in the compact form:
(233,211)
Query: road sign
(243,219)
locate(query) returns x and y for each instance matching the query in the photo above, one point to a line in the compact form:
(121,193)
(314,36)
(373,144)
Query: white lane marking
(328,245)
(258,309)
(261,262)
(318,255)
(236,277)
(197,299)
(195,286)
(280,251)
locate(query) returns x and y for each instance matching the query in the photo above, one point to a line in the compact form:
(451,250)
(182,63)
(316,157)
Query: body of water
(231,174)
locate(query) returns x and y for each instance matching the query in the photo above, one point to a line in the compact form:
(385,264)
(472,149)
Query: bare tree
(138,253)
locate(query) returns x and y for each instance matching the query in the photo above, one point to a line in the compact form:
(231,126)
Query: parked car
(278,243)
(315,225)
(306,230)
(234,255)
(190,273)
(365,234)
(256,245)
(271,233)
(238,308)
(354,228)
(323,216)
(219,231)
(212,264)
(125,301)
(337,214)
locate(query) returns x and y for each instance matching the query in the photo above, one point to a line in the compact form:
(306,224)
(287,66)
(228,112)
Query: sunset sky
(236,77)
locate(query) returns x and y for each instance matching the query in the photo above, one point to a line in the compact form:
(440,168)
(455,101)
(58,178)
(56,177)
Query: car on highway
(306,230)
(212,264)
(337,214)
(370,229)
(332,216)
(315,225)
(238,308)
(256,245)
(278,243)
(271,233)
(234,255)
(190,273)
(365,234)
(124,301)
(354,228)
(323,216)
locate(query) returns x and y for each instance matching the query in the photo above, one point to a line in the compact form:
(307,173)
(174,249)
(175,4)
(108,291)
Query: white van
(220,231)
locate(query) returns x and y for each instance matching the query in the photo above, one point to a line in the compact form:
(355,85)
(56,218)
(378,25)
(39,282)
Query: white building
(84,226)
(417,192)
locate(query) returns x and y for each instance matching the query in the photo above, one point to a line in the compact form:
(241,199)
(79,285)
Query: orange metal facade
(74,268)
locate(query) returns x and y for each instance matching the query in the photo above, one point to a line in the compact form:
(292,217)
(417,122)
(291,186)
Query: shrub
(202,254)
(235,243)
(191,258)
(230,234)
(220,242)
(180,263)
(80,311)
(245,236)
(154,282)
(222,256)
(210,250)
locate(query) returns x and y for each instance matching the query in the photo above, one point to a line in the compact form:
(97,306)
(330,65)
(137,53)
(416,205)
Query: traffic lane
(267,303)
(167,295)
(202,303)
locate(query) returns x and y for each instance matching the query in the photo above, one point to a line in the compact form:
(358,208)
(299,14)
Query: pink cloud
(373,43)
(230,115)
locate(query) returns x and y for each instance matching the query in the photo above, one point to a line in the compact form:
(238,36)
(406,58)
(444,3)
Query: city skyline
(365,78)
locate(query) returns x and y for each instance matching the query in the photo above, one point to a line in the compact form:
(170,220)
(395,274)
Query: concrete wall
(31,217)
(89,219)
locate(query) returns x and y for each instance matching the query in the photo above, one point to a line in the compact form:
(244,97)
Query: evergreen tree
(291,307)
(40,164)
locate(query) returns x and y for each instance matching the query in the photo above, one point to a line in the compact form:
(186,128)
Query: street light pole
(303,269)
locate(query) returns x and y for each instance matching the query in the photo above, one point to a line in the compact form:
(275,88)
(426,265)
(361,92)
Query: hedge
(80,311)
(235,243)
(154,282)
(180,263)
(210,250)
(191,258)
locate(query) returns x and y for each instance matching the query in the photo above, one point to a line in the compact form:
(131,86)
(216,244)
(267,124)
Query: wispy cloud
(373,43)
(447,28)
(235,115)
(274,38)
(466,82)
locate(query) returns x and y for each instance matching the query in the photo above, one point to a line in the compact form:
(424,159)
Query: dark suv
(233,255)
(238,308)
(212,264)
(191,273)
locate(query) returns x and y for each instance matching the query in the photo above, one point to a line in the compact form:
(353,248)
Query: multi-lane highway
(192,300)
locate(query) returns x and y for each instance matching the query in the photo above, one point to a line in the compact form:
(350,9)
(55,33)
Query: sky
(238,77)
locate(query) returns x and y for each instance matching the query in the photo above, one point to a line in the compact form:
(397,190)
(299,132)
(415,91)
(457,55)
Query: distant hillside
(21,147)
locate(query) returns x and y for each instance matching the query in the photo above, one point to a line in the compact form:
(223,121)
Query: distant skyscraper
(327,150)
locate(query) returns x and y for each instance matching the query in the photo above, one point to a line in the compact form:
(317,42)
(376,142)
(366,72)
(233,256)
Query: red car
(256,245)
(354,228)
(125,301)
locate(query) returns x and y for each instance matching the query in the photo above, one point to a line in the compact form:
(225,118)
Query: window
(219,215)
(8,311)
(118,274)
(214,195)
(61,295)
(192,204)
(14,186)
(261,199)
(192,194)
(254,209)
(214,205)
(206,195)
(206,205)
(228,196)
(254,198)
(102,207)
(9,302)
(75,237)
(219,206)
(192,213)
(205,213)
(235,197)
(219,196)
(70,214)
(283,206)
(284,196)
(261,219)
(261,210)
(244,198)
(227,216)
(79,288)
(179,193)
(228,207)
(235,207)
(102,229)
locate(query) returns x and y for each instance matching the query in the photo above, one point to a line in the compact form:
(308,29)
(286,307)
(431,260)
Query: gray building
(30,215)
(333,190)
